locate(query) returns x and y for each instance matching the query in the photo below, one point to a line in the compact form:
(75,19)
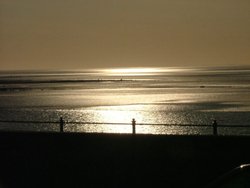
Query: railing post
(133,126)
(215,125)
(61,124)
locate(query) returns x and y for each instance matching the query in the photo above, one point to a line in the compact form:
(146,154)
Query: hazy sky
(72,34)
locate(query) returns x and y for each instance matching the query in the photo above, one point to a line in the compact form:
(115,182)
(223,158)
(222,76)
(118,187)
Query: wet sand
(116,160)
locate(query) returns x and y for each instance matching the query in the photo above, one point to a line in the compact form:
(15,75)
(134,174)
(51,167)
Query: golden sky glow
(79,34)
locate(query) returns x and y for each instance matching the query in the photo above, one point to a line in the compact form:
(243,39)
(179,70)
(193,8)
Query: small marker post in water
(133,126)
(61,124)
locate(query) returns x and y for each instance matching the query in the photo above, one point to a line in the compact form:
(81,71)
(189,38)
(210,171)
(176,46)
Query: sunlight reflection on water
(113,118)
(151,96)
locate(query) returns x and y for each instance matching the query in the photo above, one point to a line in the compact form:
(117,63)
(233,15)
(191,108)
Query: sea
(171,101)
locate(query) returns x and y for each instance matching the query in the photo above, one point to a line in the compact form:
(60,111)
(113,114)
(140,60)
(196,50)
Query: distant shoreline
(60,81)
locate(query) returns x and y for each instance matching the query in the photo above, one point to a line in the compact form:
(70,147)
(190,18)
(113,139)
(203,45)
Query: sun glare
(132,71)
(142,71)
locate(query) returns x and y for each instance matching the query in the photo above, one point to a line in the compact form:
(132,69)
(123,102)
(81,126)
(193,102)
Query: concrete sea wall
(116,160)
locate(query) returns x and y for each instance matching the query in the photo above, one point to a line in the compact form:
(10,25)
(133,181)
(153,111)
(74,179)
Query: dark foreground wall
(113,160)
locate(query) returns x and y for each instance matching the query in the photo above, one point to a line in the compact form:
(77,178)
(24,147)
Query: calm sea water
(171,96)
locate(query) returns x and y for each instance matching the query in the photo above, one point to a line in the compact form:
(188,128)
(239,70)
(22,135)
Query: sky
(82,34)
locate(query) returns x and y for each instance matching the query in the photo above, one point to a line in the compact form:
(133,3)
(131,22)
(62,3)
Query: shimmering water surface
(151,96)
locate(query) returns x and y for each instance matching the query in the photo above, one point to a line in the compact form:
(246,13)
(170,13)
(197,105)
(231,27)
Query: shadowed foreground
(113,160)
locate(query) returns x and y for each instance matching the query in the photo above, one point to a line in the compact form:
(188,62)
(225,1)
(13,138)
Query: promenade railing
(61,124)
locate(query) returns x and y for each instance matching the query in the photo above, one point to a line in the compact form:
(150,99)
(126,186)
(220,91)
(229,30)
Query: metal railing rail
(119,123)
(63,123)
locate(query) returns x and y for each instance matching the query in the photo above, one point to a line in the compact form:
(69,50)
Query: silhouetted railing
(133,123)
